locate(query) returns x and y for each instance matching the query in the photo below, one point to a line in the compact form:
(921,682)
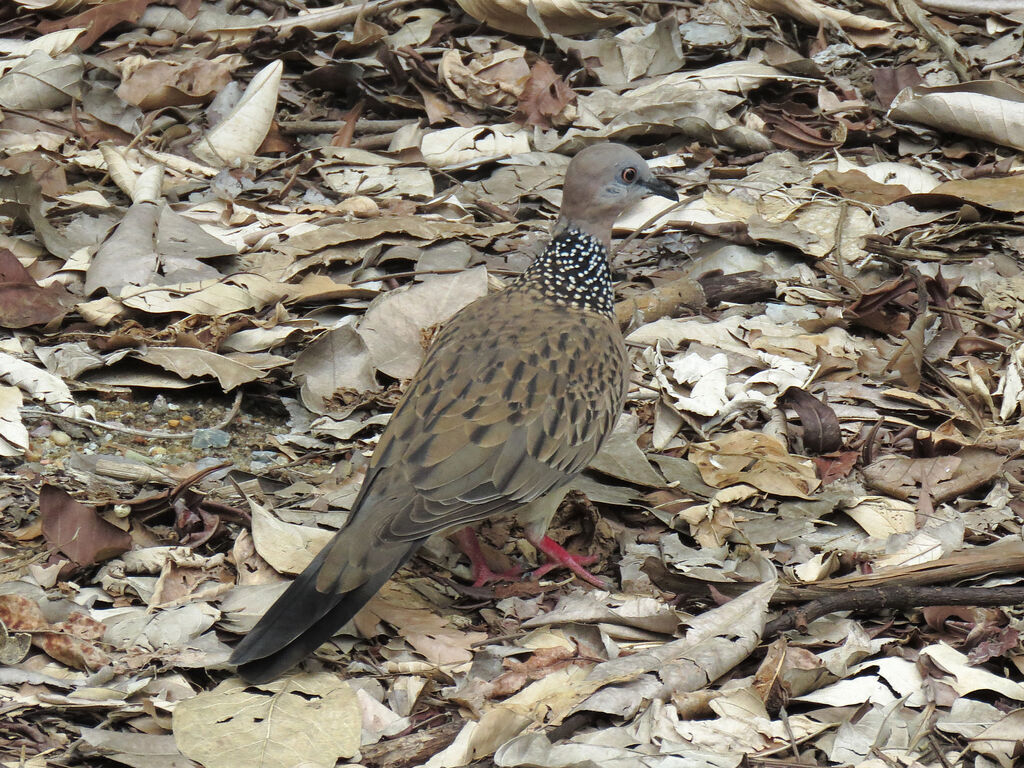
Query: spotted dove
(513,400)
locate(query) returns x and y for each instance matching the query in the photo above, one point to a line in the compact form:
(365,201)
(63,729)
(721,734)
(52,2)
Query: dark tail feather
(302,619)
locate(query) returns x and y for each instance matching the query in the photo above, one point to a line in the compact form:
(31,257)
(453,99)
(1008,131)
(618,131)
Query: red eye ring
(629,175)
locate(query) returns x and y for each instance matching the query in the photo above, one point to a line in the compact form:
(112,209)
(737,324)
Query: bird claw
(482,573)
(557,557)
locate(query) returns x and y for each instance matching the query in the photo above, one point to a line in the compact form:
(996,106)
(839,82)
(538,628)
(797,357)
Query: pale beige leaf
(621,457)
(989,110)
(153,244)
(333,369)
(862,30)
(189,362)
(40,82)
(966,678)
(237,293)
(566,17)
(306,719)
(288,548)
(1002,740)
(417,622)
(52,44)
(393,326)
(13,434)
(457,146)
(40,384)
(882,517)
(236,138)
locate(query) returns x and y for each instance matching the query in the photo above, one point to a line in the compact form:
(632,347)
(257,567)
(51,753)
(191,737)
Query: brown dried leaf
(544,98)
(22,301)
(72,642)
(945,477)
(820,423)
(157,84)
(564,17)
(755,459)
(77,531)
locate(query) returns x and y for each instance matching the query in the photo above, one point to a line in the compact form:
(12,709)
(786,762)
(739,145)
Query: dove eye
(629,175)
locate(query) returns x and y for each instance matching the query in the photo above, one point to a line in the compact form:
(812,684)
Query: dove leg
(537,517)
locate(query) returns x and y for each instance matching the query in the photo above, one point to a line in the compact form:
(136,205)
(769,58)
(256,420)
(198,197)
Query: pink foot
(557,556)
(482,573)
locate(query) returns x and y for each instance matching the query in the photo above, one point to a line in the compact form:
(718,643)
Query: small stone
(174,422)
(262,460)
(163,37)
(210,438)
(159,406)
(157,450)
(186,418)
(359,206)
(59,438)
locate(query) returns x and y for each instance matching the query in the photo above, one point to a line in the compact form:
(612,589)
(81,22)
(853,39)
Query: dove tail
(302,619)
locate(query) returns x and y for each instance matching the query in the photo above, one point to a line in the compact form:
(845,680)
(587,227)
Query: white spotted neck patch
(573,271)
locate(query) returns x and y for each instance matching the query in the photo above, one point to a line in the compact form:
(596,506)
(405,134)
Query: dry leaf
(306,719)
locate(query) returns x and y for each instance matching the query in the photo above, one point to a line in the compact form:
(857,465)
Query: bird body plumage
(513,400)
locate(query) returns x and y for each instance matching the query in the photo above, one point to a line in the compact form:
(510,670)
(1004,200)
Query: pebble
(60,438)
(210,438)
(262,460)
(159,406)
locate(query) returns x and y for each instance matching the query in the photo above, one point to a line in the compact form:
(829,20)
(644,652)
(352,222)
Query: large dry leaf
(236,293)
(964,677)
(989,110)
(394,325)
(153,245)
(52,44)
(941,478)
(417,622)
(41,385)
(77,530)
(450,147)
(621,457)
(651,50)
(419,227)
(142,750)
(716,642)
(39,82)
(188,362)
(73,641)
(881,517)
(13,434)
(565,17)
(288,548)
(307,719)
(236,138)
(1004,193)
(23,302)
(334,370)
(755,459)
(351,171)
(155,84)
(862,30)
